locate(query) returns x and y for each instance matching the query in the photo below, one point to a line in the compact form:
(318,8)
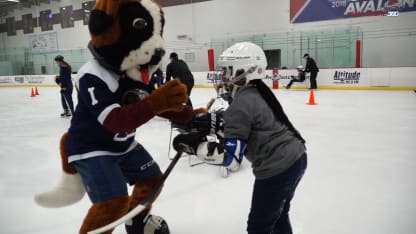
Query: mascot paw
(169,97)
(69,191)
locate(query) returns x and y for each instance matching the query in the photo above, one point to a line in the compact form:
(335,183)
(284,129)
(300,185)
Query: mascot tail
(69,190)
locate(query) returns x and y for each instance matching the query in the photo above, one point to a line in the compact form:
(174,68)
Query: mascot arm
(126,118)
(95,94)
(168,98)
(115,118)
(179,117)
(183,116)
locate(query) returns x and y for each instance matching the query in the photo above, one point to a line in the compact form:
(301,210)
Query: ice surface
(360,179)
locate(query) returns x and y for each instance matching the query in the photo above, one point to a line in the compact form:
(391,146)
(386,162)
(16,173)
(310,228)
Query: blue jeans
(269,213)
(106,177)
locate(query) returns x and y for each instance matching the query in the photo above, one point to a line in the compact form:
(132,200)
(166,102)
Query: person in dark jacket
(299,78)
(313,69)
(64,80)
(177,68)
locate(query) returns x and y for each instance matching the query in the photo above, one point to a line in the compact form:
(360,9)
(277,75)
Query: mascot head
(127,35)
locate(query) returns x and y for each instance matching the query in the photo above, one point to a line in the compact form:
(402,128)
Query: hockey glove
(209,123)
(235,150)
(188,142)
(58,80)
(211,152)
(229,155)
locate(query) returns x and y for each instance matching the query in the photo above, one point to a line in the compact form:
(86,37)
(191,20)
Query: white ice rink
(361,177)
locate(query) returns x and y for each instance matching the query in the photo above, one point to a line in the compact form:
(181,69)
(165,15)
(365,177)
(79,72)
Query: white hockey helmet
(242,60)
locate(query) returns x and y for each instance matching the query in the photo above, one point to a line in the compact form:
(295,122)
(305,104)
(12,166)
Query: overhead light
(13,0)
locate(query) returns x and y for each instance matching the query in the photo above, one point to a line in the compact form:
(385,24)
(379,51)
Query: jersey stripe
(91,154)
(103,115)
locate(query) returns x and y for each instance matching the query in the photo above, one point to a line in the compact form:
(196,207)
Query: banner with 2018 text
(302,11)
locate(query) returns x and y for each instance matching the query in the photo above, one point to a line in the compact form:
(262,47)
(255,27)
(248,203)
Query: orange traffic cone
(311,98)
(36,90)
(33,93)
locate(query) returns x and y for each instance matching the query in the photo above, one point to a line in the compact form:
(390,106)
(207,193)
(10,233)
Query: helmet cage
(230,75)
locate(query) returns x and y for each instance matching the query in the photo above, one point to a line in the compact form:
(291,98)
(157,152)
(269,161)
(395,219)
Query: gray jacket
(271,146)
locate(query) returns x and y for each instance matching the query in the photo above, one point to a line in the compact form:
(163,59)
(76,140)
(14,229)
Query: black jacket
(311,66)
(178,69)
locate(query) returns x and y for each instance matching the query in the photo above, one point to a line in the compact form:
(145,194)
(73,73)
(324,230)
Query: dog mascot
(99,153)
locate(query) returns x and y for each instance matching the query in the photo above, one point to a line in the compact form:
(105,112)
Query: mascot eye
(139,23)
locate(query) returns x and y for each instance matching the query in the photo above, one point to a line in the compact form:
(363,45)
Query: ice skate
(223,171)
(66,114)
(63,114)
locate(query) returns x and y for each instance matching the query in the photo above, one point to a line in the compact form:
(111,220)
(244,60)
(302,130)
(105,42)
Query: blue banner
(316,10)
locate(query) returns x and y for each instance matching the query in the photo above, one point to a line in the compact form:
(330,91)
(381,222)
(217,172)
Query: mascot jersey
(92,132)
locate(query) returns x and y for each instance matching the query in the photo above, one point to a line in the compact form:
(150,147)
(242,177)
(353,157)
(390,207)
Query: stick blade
(119,221)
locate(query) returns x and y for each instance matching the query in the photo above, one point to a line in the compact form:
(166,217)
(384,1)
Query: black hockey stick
(144,204)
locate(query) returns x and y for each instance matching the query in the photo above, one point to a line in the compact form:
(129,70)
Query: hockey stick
(144,204)
(170,140)
(211,102)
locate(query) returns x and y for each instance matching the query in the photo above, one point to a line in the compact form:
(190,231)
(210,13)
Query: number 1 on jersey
(93,99)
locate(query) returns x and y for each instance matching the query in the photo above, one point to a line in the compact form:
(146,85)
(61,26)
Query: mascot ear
(99,22)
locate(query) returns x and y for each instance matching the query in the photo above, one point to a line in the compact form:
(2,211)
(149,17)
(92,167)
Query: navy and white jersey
(101,125)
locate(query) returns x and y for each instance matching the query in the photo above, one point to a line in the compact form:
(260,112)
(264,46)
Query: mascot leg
(69,190)
(145,223)
(103,213)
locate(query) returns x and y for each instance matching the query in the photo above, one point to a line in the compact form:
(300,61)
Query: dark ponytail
(67,66)
(275,105)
